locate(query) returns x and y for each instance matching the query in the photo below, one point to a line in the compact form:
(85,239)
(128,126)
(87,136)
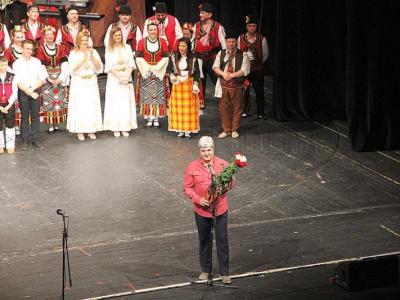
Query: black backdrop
(331,59)
(338,59)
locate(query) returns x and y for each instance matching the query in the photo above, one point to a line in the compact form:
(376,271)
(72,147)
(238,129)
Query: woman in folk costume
(84,109)
(54,91)
(33,28)
(12,53)
(5,40)
(120,106)
(184,73)
(152,61)
(8,95)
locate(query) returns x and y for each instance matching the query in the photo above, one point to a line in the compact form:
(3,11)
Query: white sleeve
(145,28)
(107,36)
(221,36)
(217,61)
(245,64)
(238,43)
(178,29)
(64,73)
(131,61)
(97,56)
(72,61)
(42,75)
(14,94)
(138,36)
(142,66)
(265,49)
(109,62)
(59,37)
(7,40)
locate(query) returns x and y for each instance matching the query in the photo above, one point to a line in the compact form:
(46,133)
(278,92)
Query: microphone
(60,212)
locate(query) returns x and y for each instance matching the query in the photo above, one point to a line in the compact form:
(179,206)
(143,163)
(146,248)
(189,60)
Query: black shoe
(37,145)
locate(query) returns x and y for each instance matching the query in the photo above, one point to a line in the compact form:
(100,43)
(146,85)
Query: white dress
(84,108)
(120,106)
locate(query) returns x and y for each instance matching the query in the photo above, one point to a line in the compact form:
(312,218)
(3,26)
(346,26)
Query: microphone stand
(210,279)
(65,259)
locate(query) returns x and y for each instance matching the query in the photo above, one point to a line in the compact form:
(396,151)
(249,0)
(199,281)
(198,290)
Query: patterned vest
(256,49)
(207,51)
(6,88)
(238,81)
(169,31)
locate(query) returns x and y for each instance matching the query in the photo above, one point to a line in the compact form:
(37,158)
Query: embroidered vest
(255,48)
(6,88)
(169,31)
(235,82)
(213,46)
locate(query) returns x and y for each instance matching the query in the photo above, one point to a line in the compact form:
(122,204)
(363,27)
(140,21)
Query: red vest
(131,39)
(6,94)
(66,38)
(2,38)
(52,60)
(169,31)
(256,48)
(213,40)
(152,57)
(11,55)
(39,39)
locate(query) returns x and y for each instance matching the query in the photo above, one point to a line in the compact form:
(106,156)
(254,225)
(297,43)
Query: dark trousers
(208,71)
(257,82)
(29,108)
(206,242)
(13,14)
(9,118)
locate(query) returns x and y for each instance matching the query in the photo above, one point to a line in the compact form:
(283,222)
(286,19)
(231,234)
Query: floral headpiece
(48,28)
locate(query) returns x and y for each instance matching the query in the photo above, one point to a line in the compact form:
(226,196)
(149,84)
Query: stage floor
(301,200)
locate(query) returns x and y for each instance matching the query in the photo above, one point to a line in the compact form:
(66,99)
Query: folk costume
(131,33)
(34,33)
(66,36)
(152,62)
(5,40)
(54,98)
(12,54)
(184,106)
(168,29)
(257,50)
(209,39)
(231,91)
(8,95)
(120,105)
(84,109)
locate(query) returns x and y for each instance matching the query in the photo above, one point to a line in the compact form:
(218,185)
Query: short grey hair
(206,141)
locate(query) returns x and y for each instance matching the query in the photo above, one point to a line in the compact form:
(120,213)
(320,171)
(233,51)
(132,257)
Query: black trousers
(257,82)
(208,71)
(206,243)
(9,118)
(29,108)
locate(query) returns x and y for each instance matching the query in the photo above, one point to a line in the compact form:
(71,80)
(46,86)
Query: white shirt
(30,71)
(161,28)
(125,32)
(33,28)
(245,67)
(74,32)
(14,94)
(264,45)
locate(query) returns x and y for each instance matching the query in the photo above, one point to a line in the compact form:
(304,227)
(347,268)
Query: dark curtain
(337,60)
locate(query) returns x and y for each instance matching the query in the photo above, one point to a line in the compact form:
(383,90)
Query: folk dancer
(54,91)
(168,26)
(209,39)
(120,104)
(84,108)
(131,33)
(8,95)
(152,85)
(231,66)
(256,47)
(184,108)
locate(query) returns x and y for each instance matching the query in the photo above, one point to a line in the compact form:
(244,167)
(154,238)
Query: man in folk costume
(152,58)
(66,35)
(256,47)
(231,65)
(209,39)
(131,33)
(8,95)
(33,28)
(5,40)
(168,26)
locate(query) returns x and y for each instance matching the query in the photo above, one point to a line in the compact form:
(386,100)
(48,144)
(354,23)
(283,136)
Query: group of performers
(172,63)
(49,75)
